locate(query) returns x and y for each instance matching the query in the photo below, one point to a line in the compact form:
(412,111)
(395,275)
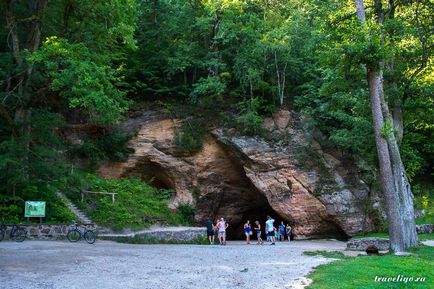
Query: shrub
(189,137)
(250,121)
(187,212)
(208,91)
(134,202)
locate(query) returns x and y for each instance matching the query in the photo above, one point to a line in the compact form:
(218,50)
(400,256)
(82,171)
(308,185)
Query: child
(276,233)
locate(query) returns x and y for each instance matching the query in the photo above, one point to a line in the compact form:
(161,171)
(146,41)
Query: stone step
(73,208)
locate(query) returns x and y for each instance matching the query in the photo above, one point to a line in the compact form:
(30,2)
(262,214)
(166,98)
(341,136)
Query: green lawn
(422,237)
(427,219)
(360,272)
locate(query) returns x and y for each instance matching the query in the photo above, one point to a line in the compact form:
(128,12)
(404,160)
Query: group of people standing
(218,229)
(273,233)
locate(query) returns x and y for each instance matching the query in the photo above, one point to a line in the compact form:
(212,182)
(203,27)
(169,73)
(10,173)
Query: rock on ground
(362,244)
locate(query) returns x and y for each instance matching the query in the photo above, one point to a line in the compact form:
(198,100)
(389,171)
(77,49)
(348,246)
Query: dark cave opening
(152,174)
(236,227)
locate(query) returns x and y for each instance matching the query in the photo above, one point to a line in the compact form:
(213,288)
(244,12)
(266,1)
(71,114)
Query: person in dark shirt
(282,231)
(210,231)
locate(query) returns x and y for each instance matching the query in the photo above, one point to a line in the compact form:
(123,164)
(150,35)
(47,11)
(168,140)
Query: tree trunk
(402,186)
(396,189)
(22,114)
(375,81)
(398,120)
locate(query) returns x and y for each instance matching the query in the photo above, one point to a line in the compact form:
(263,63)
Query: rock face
(289,177)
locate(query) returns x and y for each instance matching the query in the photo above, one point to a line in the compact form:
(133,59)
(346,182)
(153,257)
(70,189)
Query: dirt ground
(105,264)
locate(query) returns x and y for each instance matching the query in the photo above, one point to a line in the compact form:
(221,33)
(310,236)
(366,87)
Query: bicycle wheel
(89,236)
(2,235)
(19,235)
(73,235)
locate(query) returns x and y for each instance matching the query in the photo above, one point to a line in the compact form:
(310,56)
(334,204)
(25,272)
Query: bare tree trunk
(283,83)
(278,77)
(281,78)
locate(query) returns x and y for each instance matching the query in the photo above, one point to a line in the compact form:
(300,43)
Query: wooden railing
(101,193)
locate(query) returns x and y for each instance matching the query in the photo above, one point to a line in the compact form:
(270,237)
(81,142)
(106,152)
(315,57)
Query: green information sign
(34,209)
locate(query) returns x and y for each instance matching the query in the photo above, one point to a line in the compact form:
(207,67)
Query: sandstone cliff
(289,176)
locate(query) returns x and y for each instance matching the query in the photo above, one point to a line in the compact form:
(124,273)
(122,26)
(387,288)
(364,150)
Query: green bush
(112,145)
(134,202)
(187,212)
(190,136)
(249,121)
(424,200)
(12,208)
(208,91)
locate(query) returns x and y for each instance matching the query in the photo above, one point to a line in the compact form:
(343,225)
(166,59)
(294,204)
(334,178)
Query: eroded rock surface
(288,176)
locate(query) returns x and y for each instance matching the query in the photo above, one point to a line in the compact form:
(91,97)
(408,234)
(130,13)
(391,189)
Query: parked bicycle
(17,233)
(75,234)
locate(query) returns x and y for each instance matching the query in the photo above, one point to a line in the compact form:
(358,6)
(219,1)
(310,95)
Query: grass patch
(360,272)
(151,240)
(422,237)
(327,254)
(135,201)
(372,235)
(427,219)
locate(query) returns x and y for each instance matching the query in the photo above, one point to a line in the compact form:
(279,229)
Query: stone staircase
(73,208)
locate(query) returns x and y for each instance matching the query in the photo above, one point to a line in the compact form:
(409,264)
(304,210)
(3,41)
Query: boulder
(282,118)
(382,244)
(425,228)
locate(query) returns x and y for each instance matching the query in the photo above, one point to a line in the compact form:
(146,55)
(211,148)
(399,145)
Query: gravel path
(110,265)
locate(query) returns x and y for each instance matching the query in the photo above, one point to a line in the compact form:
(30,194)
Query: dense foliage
(74,67)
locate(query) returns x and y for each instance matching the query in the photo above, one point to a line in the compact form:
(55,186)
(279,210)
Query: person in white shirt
(222,226)
(269,228)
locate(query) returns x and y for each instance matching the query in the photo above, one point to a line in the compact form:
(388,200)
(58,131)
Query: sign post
(34,209)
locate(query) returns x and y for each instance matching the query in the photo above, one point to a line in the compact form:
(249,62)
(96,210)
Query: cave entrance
(256,208)
(236,228)
(152,174)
